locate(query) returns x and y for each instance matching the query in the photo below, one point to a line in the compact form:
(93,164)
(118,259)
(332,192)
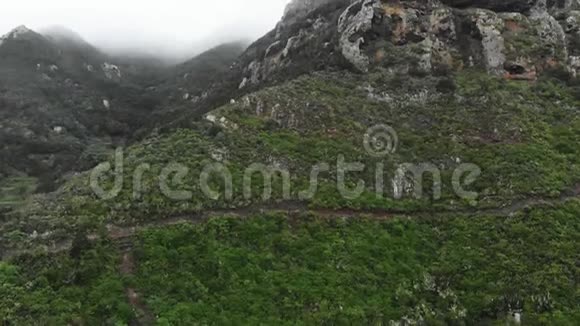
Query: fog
(171,28)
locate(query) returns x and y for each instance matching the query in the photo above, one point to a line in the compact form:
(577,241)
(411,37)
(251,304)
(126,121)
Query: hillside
(183,87)
(64,105)
(367,162)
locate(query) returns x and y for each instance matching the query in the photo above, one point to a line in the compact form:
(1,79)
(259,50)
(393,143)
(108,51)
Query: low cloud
(172,28)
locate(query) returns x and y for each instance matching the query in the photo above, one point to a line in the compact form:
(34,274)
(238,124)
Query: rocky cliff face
(515,39)
(518,39)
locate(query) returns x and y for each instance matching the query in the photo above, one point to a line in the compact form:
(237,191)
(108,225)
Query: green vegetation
(163,250)
(522,135)
(443,268)
(14,190)
(308,270)
(315,270)
(82,287)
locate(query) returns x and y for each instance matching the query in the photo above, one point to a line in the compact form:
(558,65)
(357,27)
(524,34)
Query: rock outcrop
(353,24)
(518,39)
(515,39)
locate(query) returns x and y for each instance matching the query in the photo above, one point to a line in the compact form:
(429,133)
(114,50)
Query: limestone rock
(517,39)
(356,20)
(244,83)
(574,64)
(489,26)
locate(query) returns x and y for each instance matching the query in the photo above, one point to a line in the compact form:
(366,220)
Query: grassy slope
(523,136)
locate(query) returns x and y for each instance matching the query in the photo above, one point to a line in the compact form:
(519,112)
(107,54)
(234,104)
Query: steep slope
(425,36)
(515,39)
(427,173)
(183,86)
(62,106)
(521,136)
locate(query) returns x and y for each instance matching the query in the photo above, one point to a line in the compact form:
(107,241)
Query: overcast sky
(156,26)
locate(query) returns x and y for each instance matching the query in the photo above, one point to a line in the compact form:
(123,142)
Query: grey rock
(490,26)
(574,65)
(356,20)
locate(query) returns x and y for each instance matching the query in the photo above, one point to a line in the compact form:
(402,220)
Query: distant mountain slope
(208,65)
(184,85)
(60,100)
(64,104)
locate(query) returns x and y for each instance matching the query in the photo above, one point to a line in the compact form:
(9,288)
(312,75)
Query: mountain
(366,162)
(425,37)
(184,85)
(514,39)
(56,103)
(65,104)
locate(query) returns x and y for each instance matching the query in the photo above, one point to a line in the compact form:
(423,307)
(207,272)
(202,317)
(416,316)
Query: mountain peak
(17,32)
(22,29)
(20,32)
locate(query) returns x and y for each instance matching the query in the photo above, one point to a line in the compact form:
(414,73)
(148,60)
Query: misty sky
(160,27)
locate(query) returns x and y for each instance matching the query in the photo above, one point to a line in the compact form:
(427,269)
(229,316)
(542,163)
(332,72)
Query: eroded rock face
(520,6)
(353,24)
(305,40)
(514,38)
(490,26)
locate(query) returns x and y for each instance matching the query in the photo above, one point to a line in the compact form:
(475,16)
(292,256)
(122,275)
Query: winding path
(297,208)
(127,267)
(119,232)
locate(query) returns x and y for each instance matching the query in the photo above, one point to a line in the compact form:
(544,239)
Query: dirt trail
(127,267)
(119,232)
(295,208)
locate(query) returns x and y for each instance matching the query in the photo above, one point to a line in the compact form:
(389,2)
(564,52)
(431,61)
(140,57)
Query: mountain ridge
(60,94)
(423,37)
